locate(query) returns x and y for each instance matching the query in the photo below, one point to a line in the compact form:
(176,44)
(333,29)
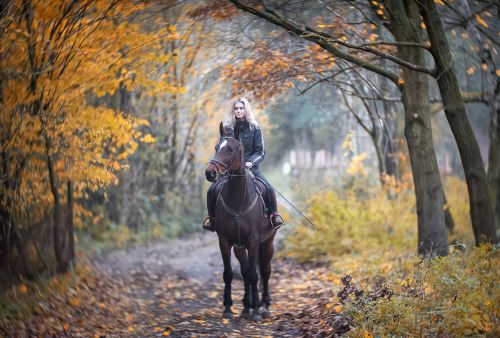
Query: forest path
(171,288)
(175,288)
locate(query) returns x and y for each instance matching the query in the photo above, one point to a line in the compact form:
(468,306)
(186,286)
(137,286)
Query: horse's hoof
(227,315)
(256,316)
(266,314)
(245,313)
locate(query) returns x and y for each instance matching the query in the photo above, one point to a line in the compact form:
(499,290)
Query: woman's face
(239,110)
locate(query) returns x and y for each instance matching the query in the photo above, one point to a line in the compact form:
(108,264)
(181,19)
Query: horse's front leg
(253,279)
(225,250)
(241,255)
(266,252)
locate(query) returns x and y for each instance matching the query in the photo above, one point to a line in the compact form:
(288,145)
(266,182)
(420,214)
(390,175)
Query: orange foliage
(54,59)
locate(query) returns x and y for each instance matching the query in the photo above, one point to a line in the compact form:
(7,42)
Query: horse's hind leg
(225,249)
(241,255)
(266,252)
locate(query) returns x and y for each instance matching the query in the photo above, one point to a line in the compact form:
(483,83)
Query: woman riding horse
(241,116)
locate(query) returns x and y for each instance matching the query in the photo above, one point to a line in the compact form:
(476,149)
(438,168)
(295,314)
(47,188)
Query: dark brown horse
(240,222)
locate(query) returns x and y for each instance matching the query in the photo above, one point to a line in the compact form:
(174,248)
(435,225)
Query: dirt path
(174,288)
(177,286)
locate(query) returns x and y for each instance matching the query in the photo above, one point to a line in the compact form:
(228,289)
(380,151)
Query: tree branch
(364,48)
(321,41)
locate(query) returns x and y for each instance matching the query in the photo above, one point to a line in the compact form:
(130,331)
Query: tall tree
(482,216)
(414,88)
(53,59)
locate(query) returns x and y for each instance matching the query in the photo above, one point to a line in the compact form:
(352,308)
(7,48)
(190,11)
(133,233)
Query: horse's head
(228,154)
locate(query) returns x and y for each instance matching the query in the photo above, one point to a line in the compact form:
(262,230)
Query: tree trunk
(432,239)
(480,205)
(494,165)
(70,226)
(448,218)
(492,100)
(389,130)
(58,229)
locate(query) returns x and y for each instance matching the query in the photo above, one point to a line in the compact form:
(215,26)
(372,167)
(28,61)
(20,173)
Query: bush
(456,295)
(349,224)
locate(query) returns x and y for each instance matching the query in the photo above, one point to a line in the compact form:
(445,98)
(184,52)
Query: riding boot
(209,222)
(272,205)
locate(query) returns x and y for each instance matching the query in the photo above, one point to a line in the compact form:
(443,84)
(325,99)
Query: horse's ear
(221,129)
(237,132)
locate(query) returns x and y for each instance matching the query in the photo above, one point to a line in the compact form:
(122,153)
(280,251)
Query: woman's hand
(248,165)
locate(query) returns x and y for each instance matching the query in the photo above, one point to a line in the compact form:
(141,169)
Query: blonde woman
(241,115)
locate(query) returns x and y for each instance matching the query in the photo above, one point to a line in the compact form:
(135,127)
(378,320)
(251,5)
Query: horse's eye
(230,148)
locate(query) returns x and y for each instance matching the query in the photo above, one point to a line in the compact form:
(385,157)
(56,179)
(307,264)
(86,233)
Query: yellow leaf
(343,38)
(423,26)
(23,288)
(157,329)
(74,301)
(401,82)
(66,326)
(380,12)
(165,333)
(339,308)
(102,305)
(130,329)
(471,70)
(373,37)
(481,21)
(148,139)
(497,72)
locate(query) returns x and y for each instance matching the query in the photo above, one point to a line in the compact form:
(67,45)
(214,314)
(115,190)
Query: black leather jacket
(253,141)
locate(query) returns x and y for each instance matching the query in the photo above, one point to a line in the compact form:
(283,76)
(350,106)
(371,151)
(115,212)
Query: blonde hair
(231,119)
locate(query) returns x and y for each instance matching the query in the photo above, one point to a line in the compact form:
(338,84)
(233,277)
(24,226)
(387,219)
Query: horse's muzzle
(210,175)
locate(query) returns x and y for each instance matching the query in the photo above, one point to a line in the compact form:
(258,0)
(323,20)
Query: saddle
(260,186)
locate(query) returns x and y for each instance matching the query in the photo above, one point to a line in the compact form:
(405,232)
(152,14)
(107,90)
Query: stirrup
(208,224)
(279,220)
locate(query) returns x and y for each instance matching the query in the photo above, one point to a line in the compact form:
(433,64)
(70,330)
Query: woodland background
(381,121)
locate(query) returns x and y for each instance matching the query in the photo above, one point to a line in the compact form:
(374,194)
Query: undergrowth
(457,295)
(363,233)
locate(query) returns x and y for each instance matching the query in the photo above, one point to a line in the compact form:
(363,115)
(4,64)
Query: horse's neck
(237,188)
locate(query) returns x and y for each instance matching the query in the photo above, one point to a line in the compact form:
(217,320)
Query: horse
(240,222)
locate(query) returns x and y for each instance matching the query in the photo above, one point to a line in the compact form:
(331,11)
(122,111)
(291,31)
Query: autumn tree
(481,211)
(414,88)
(405,20)
(163,188)
(55,145)
(484,52)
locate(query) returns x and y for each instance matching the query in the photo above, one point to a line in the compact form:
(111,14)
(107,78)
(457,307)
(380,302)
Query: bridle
(225,166)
